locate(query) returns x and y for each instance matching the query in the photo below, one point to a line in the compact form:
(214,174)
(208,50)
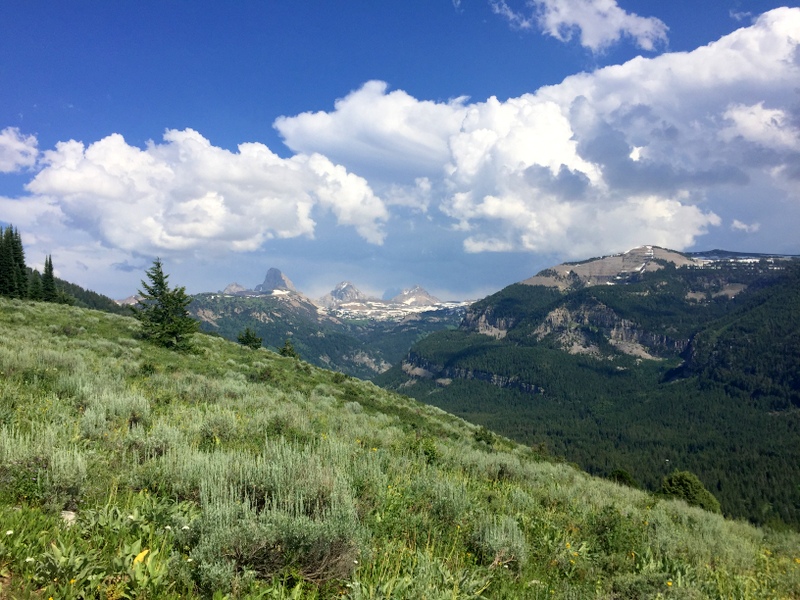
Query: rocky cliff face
(487,323)
(417,366)
(275,280)
(571,327)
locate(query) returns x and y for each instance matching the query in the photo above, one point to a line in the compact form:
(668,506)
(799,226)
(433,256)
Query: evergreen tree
(622,477)
(13,272)
(18,255)
(35,286)
(288,350)
(686,486)
(249,338)
(162,311)
(49,291)
(6,264)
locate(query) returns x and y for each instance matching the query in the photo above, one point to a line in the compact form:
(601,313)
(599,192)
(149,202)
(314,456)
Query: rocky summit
(275,280)
(416,296)
(343,293)
(616,268)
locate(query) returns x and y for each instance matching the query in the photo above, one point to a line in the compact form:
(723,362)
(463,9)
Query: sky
(461,145)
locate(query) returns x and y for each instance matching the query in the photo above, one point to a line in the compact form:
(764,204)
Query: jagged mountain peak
(275,280)
(415,296)
(344,292)
(234,288)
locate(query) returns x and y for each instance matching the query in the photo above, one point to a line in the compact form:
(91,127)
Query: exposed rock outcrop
(570,327)
(486,323)
(343,293)
(275,280)
(617,268)
(416,366)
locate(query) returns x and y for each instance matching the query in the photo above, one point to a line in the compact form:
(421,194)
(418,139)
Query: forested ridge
(718,394)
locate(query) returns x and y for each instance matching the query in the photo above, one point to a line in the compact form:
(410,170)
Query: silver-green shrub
(499,541)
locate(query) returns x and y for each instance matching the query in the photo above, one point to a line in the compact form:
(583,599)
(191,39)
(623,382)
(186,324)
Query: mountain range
(345,330)
(637,362)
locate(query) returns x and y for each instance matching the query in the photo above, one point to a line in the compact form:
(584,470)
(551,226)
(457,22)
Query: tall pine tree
(35,286)
(49,291)
(21,276)
(13,272)
(162,311)
(6,264)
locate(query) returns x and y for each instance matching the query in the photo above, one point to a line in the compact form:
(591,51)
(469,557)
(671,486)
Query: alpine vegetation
(129,470)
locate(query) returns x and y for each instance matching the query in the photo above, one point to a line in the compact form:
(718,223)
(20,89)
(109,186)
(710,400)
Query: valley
(642,362)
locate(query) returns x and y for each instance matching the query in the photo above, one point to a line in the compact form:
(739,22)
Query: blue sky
(460,145)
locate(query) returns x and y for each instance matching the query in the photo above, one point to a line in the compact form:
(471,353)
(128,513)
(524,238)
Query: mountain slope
(641,363)
(342,338)
(235,472)
(345,330)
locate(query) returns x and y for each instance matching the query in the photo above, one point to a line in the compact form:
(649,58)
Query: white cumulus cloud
(653,151)
(17,151)
(768,127)
(388,134)
(599,23)
(737,225)
(186,194)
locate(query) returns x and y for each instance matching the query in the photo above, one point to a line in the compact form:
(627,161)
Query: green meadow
(131,471)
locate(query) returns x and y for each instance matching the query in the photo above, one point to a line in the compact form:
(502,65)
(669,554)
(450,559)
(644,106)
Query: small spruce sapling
(249,338)
(288,350)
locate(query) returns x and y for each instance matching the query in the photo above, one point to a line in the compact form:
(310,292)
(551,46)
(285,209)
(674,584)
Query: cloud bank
(650,151)
(187,195)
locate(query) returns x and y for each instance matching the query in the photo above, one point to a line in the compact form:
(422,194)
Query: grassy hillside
(235,473)
(714,388)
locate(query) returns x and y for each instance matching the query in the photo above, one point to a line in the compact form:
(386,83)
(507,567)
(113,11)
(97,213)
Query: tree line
(17,280)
